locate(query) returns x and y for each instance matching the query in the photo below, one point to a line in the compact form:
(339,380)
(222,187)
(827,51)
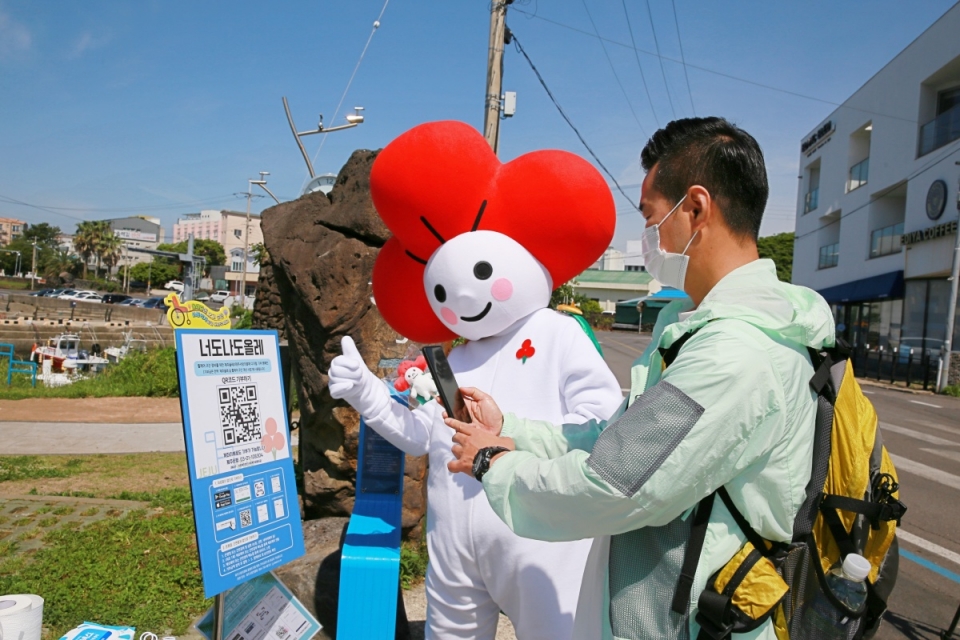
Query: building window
(236,264)
(811,200)
(858,174)
(885,241)
(829,256)
(634,267)
(945,128)
(237,233)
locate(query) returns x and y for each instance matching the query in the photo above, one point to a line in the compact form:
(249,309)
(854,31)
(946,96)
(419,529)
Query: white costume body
(477,565)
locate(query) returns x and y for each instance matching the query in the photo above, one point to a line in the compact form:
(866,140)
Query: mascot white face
(480,283)
(412,374)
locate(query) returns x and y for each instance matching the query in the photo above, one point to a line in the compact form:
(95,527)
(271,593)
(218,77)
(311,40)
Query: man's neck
(713,268)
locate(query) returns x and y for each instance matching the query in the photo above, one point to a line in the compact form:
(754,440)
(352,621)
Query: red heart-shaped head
(441,179)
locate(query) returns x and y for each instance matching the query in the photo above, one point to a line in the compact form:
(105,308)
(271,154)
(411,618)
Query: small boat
(66,356)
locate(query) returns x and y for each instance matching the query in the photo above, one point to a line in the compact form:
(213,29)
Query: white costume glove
(351,380)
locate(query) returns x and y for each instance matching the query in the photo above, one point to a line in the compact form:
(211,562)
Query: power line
(682,59)
(160,207)
(376,25)
(719,73)
(660,58)
(637,56)
(917,173)
(610,62)
(568,121)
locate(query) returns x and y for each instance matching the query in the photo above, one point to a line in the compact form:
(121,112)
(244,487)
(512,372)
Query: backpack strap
(669,354)
(691,557)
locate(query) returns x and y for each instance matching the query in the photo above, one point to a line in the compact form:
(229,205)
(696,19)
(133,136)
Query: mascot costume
(489,242)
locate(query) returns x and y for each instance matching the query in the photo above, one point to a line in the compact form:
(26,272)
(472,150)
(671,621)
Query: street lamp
(353,120)
(16,268)
(33,271)
(246,232)
(262,183)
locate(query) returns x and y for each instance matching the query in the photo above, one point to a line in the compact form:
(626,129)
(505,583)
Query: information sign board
(238,452)
(262,609)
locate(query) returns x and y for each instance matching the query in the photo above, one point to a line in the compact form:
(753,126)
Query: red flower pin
(525,351)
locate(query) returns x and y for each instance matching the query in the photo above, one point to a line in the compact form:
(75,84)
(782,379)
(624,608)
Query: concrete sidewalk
(84,438)
(40,438)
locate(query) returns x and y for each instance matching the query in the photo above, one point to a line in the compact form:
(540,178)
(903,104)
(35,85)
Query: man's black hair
(717,155)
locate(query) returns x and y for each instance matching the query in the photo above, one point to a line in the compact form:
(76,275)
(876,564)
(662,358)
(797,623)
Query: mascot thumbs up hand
(351,380)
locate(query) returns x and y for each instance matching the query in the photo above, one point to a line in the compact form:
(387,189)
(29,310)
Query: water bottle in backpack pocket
(847,583)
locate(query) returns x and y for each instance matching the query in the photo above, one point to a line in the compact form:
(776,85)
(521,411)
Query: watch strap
(481,461)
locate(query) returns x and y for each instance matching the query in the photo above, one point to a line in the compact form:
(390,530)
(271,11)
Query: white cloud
(86,42)
(14,37)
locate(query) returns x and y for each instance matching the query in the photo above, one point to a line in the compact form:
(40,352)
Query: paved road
(922,434)
(62,437)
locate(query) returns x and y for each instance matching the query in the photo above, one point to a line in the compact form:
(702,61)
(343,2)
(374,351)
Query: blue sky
(112,108)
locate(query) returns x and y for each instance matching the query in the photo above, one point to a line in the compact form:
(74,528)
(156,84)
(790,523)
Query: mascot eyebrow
(436,234)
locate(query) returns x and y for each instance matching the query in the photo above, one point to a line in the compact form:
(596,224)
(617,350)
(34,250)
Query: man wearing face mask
(733,409)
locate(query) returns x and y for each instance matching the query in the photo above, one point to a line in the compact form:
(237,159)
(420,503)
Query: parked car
(114,298)
(67,293)
(933,349)
(219,296)
(174,285)
(53,293)
(89,296)
(131,302)
(42,293)
(154,303)
(203,296)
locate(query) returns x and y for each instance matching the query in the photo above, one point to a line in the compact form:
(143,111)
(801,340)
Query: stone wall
(322,249)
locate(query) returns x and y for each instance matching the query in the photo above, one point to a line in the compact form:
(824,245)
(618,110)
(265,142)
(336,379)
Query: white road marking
(936,549)
(949,455)
(869,393)
(934,425)
(928,473)
(927,404)
(918,435)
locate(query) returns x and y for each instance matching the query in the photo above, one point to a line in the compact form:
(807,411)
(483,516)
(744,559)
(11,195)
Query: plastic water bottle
(848,584)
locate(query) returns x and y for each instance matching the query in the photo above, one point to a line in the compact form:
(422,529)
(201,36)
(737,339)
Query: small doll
(413,375)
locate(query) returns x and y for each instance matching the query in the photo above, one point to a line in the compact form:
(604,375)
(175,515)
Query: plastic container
(848,584)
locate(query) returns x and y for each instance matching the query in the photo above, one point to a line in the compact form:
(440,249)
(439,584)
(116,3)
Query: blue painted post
(370,563)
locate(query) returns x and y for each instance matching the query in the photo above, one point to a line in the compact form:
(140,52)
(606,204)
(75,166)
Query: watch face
(936,199)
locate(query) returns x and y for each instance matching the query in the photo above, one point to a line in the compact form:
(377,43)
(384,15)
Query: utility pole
(491,115)
(952,306)
(33,271)
(246,246)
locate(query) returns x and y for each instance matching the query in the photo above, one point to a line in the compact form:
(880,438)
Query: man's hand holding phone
(483,432)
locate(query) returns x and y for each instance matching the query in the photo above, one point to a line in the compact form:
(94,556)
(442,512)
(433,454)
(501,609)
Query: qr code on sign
(239,414)
(246,518)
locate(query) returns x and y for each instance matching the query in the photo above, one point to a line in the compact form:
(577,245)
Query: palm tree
(84,242)
(107,245)
(58,262)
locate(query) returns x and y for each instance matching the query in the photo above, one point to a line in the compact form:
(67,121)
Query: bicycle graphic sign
(194,315)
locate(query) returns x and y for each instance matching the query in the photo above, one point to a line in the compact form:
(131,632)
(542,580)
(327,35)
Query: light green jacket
(734,409)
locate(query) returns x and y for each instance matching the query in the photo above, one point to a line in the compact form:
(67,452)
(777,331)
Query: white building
(877,203)
(227,228)
(633,258)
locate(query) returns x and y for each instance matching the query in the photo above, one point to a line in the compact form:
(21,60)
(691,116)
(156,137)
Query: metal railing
(942,130)
(913,367)
(811,200)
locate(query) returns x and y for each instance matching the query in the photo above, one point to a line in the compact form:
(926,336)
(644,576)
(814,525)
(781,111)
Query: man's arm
(716,412)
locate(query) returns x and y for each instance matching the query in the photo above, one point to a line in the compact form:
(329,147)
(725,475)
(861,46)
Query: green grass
(32,467)
(413,563)
(953,390)
(153,373)
(140,570)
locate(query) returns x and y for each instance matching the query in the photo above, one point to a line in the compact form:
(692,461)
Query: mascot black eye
(482,270)
(440,293)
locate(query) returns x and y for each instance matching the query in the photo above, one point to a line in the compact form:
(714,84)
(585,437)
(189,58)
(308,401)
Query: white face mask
(669,268)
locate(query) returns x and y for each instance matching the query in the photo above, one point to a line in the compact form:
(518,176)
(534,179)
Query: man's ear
(701,204)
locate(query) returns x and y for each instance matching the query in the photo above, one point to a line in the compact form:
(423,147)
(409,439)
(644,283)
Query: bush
(153,373)
(953,390)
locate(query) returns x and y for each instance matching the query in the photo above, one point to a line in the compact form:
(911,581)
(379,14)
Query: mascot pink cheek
(502,289)
(448,315)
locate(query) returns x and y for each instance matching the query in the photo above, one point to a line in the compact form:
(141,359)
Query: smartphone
(447,385)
